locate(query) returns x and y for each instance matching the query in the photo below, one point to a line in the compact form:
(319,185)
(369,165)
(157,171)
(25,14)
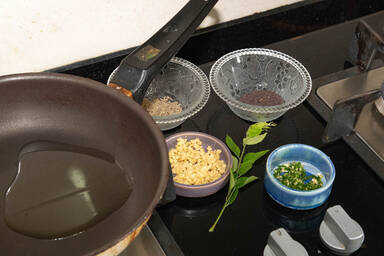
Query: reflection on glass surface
(295,221)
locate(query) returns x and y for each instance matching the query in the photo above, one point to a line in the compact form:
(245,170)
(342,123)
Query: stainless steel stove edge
(353,140)
(154,240)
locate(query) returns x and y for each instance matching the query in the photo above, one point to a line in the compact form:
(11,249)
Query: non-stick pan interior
(77,111)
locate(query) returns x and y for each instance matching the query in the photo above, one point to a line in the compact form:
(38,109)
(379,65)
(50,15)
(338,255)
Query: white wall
(37,35)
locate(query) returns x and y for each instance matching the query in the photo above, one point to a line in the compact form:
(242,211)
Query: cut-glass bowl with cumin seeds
(179,84)
(183,83)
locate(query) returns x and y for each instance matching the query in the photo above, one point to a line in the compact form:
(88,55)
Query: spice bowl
(260,84)
(314,161)
(182,83)
(179,84)
(206,140)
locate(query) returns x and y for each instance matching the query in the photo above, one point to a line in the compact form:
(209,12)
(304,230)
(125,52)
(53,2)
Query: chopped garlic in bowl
(200,163)
(192,165)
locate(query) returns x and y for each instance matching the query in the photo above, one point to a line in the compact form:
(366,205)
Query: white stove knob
(280,243)
(339,232)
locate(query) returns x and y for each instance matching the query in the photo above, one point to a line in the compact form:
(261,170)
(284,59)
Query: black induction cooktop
(306,32)
(244,228)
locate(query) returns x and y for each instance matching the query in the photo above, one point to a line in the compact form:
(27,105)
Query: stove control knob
(280,243)
(339,232)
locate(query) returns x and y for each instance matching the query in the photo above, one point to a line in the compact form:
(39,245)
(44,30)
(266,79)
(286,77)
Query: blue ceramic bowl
(314,161)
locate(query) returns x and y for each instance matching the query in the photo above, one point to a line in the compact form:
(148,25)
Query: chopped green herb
(293,175)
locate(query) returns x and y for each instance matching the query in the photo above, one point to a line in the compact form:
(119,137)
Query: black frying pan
(71,110)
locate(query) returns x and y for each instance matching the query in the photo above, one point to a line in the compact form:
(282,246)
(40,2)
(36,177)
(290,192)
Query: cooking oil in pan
(62,190)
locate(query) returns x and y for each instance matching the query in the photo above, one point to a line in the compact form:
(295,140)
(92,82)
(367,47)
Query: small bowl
(207,140)
(314,161)
(184,82)
(244,71)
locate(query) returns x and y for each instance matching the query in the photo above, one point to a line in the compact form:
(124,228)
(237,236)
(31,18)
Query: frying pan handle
(137,70)
(163,45)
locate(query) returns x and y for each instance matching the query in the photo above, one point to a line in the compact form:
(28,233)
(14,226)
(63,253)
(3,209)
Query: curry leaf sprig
(242,163)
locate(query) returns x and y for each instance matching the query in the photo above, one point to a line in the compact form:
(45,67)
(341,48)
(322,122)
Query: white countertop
(37,35)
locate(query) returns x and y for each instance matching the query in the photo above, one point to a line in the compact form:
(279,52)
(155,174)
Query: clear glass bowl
(183,82)
(244,71)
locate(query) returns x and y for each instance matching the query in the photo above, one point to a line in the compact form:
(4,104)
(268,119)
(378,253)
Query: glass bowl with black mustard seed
(260,85)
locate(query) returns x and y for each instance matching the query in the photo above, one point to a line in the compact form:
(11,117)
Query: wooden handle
(126,92)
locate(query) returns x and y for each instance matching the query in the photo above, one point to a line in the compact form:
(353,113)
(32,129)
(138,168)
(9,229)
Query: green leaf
(254,140)
(252,157)
(235,164)
(232,146)
(257,128)
(254,130)
(244,168)
(232,196)
(241,182)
